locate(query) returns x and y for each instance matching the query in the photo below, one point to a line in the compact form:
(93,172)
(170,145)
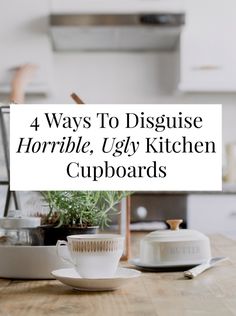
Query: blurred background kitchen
(132,51)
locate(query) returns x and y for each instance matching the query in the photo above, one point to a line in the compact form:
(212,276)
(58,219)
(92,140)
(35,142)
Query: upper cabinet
(208,47)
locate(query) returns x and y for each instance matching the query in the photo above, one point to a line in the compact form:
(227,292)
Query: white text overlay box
(144,147)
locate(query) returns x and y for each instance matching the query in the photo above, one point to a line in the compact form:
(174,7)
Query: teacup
(93,256)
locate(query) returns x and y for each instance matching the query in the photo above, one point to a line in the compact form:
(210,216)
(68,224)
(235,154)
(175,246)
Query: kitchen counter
(212,293)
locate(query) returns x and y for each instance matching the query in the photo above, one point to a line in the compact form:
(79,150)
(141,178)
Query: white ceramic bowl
(29,262)
(174,247)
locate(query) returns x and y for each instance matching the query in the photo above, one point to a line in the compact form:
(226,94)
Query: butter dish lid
(174,233)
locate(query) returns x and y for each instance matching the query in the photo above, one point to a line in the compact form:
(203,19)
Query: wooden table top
(212,293)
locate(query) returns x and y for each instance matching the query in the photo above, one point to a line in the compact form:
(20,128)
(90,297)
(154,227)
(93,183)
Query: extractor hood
(116,31)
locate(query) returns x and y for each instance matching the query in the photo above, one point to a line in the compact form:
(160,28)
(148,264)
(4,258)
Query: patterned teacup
(93,256)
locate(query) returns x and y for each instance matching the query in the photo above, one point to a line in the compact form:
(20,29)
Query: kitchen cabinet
(208,47)
(153,206)
(212,213)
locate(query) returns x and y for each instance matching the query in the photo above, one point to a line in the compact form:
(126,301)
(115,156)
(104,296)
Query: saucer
(161,267)
(71,277)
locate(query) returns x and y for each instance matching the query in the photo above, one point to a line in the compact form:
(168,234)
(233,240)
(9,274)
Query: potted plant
(77,212)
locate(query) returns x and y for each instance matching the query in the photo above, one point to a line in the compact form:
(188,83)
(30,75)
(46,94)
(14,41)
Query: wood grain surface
(212,293)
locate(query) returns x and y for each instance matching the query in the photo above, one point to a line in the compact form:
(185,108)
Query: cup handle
(63,243)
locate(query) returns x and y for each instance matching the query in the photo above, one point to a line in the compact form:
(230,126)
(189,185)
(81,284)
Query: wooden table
(212,293)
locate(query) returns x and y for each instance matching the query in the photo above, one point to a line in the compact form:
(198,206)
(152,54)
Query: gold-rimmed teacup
(93,255)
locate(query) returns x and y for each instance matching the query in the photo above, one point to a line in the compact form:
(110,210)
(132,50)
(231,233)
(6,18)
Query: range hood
(109,31)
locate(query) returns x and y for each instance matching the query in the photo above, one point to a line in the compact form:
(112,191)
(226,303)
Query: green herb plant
(82,208)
